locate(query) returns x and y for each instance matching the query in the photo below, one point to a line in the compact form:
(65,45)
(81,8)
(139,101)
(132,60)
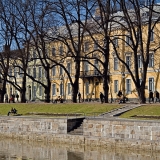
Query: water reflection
(26,150)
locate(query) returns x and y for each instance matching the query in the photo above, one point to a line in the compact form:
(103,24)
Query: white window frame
(139,58)
(151,60)
(151,84)
(86,46)
(61,50)
(115,63)
(116,86)
(53,89)
(54,71)
(128,86)
(69,88)
(40,90)
(128,40)
(69,67)
(34,72)
(40,72)
(87,88)
(152,36)
(53,51)
(115,41)
(128,60)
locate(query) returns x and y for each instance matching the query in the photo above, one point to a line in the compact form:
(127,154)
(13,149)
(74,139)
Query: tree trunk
(106,90)
(141,94)
(74,92)
(23,90)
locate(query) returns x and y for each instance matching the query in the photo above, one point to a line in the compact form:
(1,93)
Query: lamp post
(61,86)
(29,92)
(123,82)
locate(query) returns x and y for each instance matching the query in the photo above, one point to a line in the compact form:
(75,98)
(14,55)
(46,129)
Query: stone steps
(77,131)
(119,111)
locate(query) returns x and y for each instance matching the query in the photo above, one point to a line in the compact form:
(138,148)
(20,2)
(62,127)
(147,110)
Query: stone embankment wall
(114,133)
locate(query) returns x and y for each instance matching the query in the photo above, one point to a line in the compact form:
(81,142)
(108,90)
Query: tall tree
(139,22)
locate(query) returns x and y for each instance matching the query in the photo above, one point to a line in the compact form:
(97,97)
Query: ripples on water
(26,150)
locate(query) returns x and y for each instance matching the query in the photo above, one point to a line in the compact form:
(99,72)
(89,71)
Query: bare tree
(138,22)
(70,33)
(99,28)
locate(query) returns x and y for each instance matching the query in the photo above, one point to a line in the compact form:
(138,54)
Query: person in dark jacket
(101,97)
(151,99)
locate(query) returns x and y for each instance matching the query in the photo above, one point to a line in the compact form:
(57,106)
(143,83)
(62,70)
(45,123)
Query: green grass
(151,110)
(85,108)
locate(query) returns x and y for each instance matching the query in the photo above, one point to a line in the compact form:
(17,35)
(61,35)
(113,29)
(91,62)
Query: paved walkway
(119,111)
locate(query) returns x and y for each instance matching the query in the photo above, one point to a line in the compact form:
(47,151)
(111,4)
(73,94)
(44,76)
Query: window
(45,73)
(54,71)
(96,65)
(34,55)
(86,66)
(10,72)
(40,72)
(115,41)
(128,40)
(152,36)
(29,71)
(86,46)
(87,88)
(61,50)
(128,86)
(46,52)
(139,57)
(151,84)
(69,89)
(53,51)
(40,90)
(61,89)
(96,45)
(116,86)
(34,91)
(69,67)
(115,63)
(15,71)
(53,89)
(34,72)
(128,61)
(20,72)
(151,60)
(61,70)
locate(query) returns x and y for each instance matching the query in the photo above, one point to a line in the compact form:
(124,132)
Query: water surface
(27,150)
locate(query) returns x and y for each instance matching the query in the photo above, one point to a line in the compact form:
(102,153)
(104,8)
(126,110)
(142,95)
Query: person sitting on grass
(58,99)
(13,110)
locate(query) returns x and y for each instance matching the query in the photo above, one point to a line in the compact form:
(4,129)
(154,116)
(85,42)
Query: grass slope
(85,108)
(152,110)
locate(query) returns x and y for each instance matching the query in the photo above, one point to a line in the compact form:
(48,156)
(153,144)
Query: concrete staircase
(119,111)
(78,130)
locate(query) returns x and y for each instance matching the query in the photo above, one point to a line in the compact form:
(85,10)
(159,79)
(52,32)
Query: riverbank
(101,132)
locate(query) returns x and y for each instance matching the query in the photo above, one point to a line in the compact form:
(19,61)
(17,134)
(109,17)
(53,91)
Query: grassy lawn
(146,110)
(85,108)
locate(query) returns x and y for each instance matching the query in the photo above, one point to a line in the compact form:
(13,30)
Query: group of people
(13,110)
(12,98)
(154,97)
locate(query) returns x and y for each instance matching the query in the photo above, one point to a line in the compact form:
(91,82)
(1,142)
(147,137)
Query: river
(30,150)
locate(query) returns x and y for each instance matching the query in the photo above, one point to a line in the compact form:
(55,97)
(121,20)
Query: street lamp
(29,92)
(61,85)
(123,82)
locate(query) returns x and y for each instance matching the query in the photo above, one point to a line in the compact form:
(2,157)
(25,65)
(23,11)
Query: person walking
(6,98)
(17,96)
(151,99)
(79,97)
(101,97)
(157,96)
